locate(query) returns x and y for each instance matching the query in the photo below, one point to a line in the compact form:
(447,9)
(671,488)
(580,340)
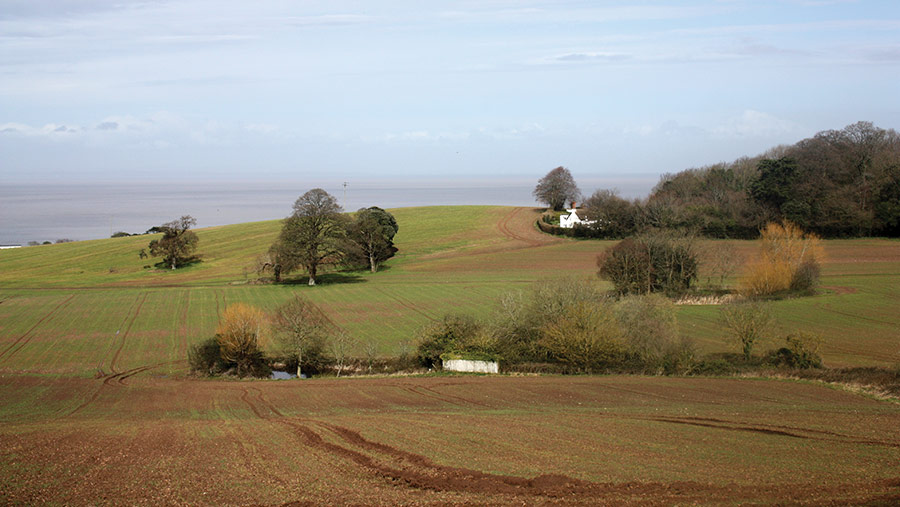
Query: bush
(585,336)
(453,333)
(713,367)
(658,262)
(649,327)
(516,327)
(205,358)
(788,260)
(800,351)
(240,335)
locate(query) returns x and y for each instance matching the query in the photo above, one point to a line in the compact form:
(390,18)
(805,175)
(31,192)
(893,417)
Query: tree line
(838,183)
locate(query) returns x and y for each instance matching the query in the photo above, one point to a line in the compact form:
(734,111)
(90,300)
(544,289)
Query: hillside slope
(77,308)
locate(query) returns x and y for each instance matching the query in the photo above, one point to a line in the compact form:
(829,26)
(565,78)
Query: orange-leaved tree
(241,333)
(788,260)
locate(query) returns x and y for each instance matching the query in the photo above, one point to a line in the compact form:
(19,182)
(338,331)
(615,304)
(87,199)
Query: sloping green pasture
(83,307)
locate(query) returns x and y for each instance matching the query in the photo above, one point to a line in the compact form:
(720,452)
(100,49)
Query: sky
(487,92)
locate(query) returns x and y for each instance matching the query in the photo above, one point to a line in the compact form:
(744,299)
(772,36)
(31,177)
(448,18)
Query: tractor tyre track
(183,330)
(786,431)
(26,337)
(830,308)
(100,372)
(406,304)
(117,378)
(412,470)
(444,397)
(137,311)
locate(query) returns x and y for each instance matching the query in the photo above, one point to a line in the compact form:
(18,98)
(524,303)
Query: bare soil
(136,438)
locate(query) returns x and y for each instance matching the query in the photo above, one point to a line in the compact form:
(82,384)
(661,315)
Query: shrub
(679,358)
(239,334)
(206,358)
(658,262)
(516,327)
(585,336)
(714,367)
(649,327)
(453,333)
(788,260)
(800,351)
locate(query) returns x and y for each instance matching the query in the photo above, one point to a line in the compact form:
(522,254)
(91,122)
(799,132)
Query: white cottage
(569,221)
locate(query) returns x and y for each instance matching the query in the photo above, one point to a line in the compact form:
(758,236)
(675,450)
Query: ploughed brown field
(142,439)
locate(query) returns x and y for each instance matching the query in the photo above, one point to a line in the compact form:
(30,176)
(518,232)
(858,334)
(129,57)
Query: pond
(282,375)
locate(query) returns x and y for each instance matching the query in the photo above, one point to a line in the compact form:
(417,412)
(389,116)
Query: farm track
(26,337)
(137,311)
(504,227)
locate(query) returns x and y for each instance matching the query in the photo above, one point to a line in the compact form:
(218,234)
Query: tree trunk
(312,275)
(277,270)
(372,262)
(173,263)
(299,360)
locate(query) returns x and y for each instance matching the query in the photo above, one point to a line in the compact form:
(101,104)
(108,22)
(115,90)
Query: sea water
(79,212)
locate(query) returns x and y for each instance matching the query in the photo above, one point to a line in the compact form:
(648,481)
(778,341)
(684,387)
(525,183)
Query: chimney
(573,204)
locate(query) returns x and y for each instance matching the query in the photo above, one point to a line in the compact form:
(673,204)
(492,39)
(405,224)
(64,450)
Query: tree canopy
(371,236)
(178,243)
(557,188)
(312,235)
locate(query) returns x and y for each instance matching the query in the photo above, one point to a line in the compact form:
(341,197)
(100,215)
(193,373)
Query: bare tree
(370,347)
(557,188)
(302,330)
(721,260)
(748,322)
(341,345)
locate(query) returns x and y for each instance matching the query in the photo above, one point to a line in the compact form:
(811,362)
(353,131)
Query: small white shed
(471,366)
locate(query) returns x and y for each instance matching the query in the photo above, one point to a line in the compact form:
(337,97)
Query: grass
(61,305)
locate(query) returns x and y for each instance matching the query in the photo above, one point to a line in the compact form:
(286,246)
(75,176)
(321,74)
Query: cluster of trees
(788,261)
(58,241)
(568,324)
(318,233)
(297,334)
(838,183)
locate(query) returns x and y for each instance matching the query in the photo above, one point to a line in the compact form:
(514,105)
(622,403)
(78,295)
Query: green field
(78,307)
